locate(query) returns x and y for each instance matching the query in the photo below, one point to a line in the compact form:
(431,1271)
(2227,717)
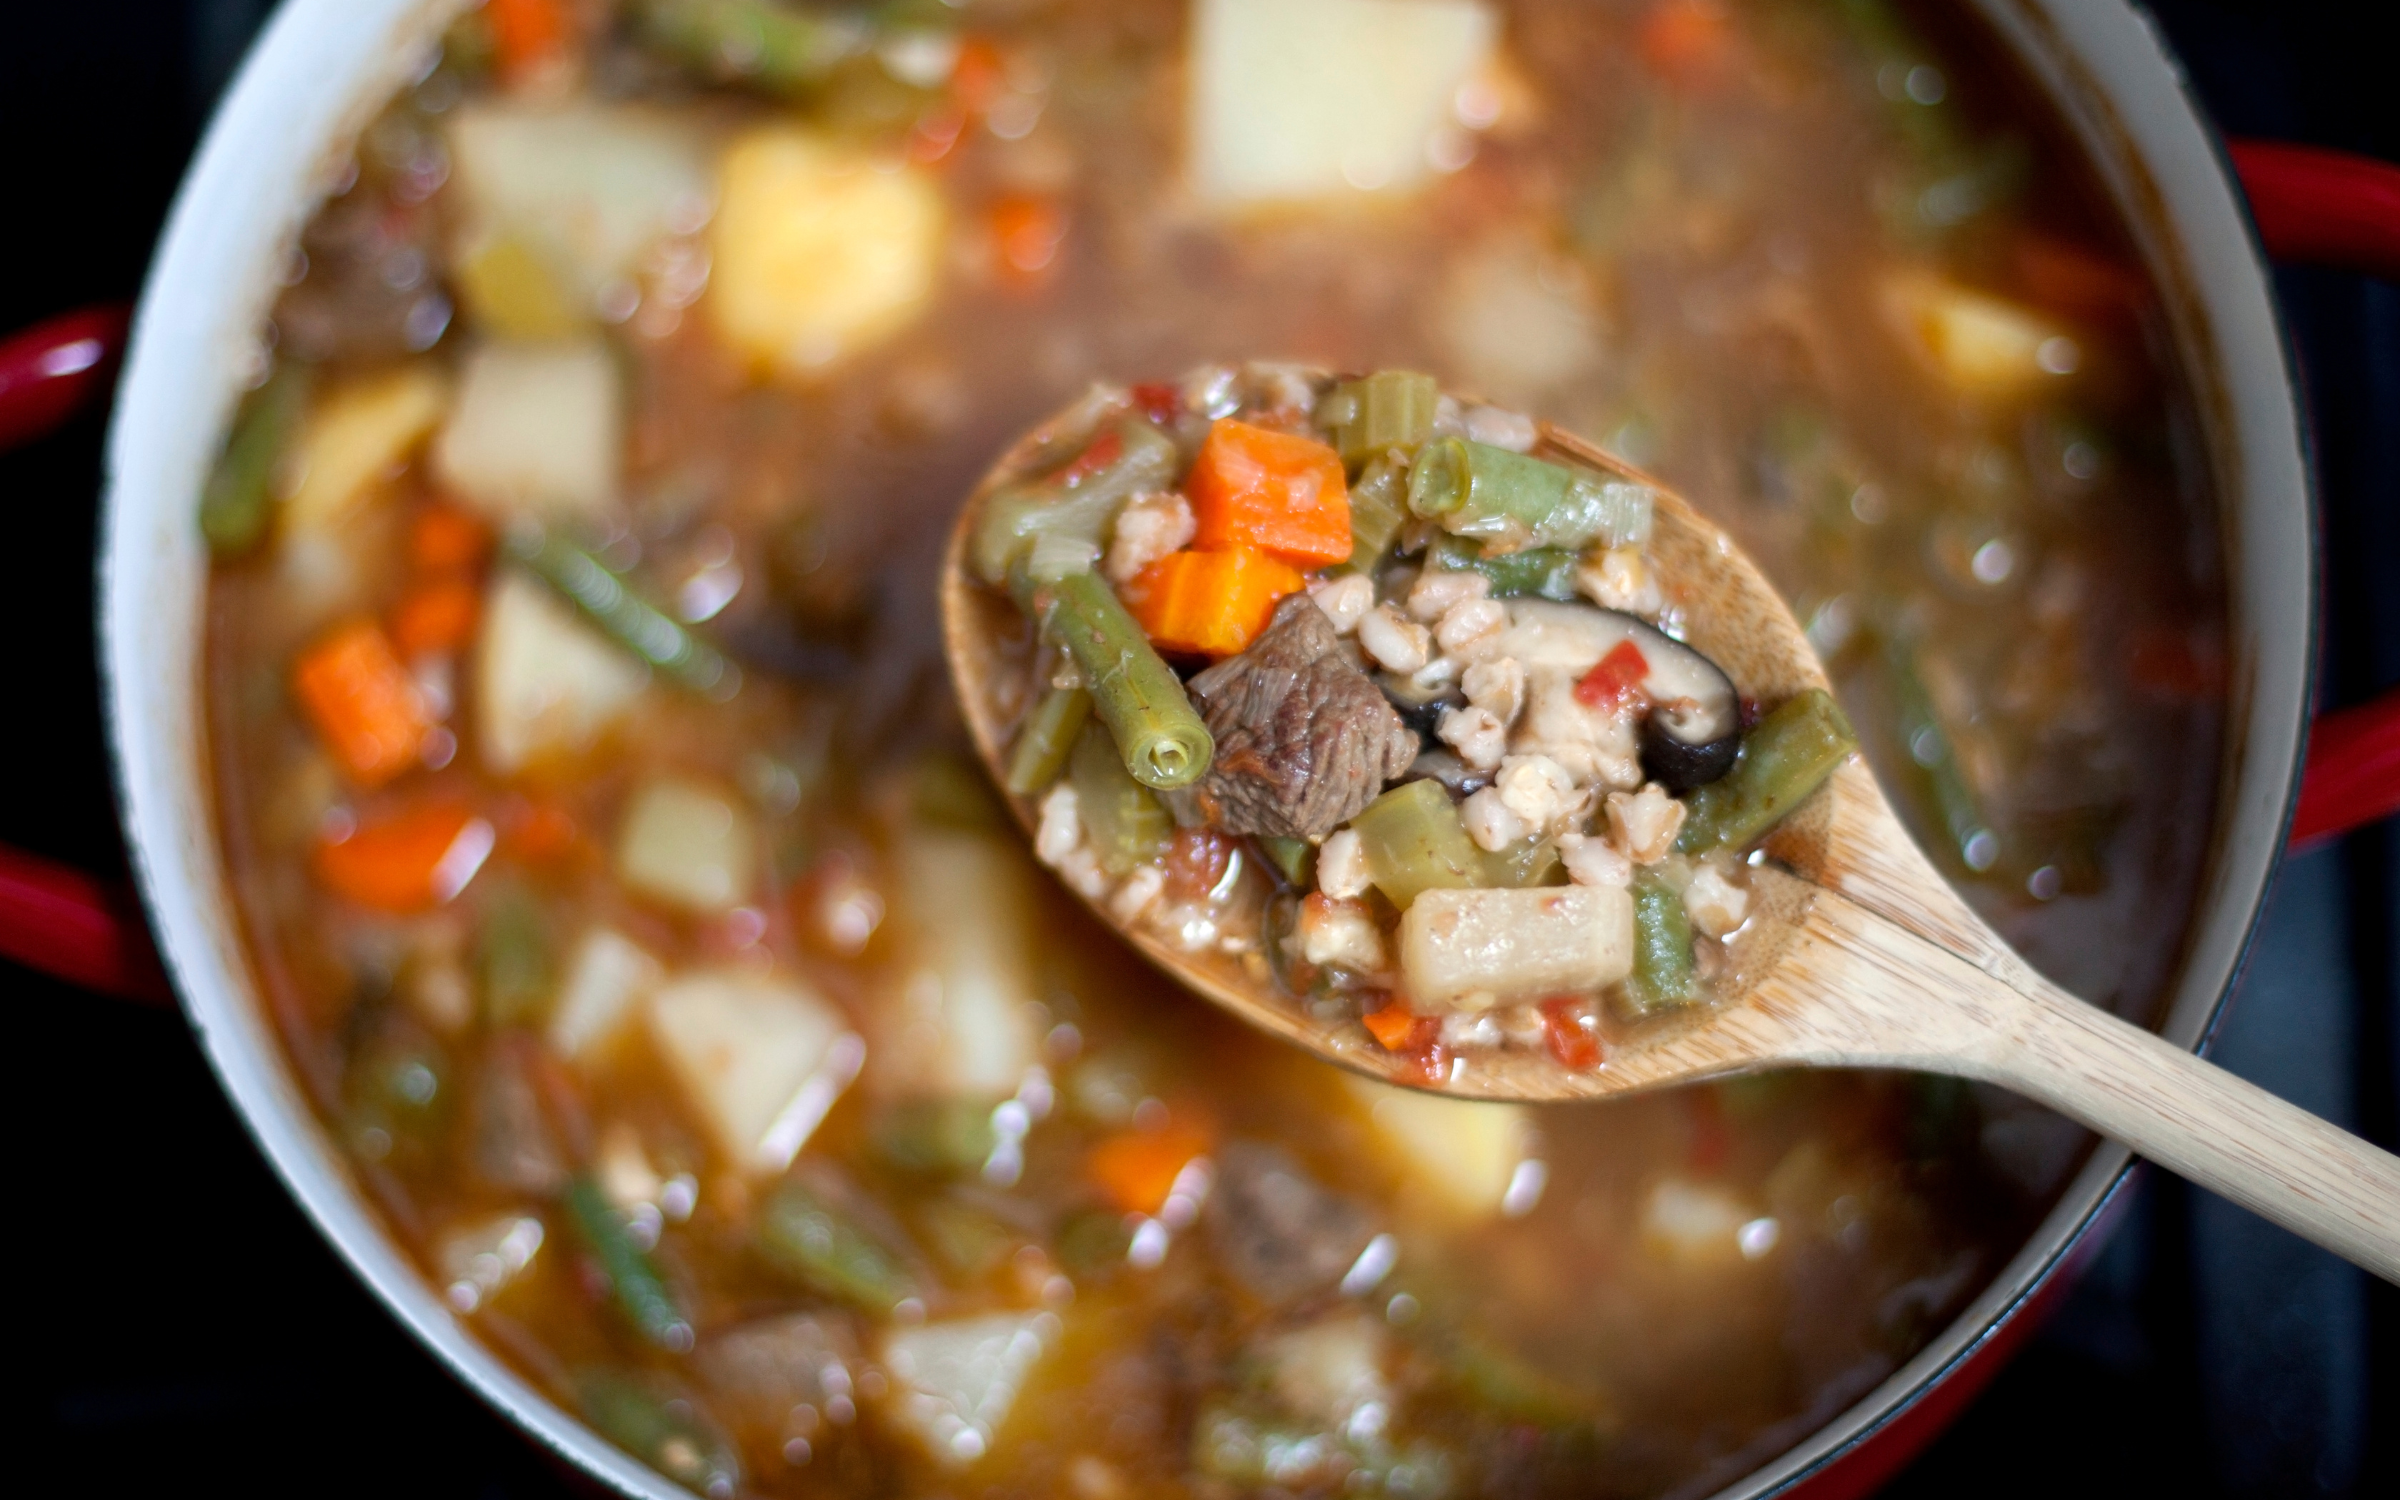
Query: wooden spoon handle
(1886,997)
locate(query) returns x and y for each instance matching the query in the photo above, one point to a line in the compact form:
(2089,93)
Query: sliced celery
(1378,509)
(1510,502)
(1388,409)
(239,504)
(1546,572)
(1415,841)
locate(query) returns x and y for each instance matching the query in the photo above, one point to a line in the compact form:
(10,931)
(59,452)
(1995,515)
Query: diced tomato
(1574,1044)
(527,34)
(1618,677)
(1196,860)
(1686,41)
(1136,1169)
(410,860)
(1711,1136)
(1159,401)
(978,76)
(444,539)
(362,702)
(538,832)
(437,618)
(1027,231)
(1281,494)
(1106,449)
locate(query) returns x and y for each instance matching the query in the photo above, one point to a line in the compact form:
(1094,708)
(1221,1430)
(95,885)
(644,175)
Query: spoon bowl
(1857,953)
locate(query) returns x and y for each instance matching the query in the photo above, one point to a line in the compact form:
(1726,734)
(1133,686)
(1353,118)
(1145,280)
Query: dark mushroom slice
(1693,729)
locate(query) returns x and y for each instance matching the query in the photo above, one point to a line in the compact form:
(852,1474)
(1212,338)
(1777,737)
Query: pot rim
(324,67)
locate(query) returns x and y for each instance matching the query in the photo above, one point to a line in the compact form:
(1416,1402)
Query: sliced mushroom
(1694,728)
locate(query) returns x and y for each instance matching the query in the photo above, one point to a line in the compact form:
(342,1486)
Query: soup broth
(619,883)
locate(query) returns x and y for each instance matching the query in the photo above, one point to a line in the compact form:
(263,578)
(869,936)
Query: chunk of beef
(1277,1231)
(1304,738)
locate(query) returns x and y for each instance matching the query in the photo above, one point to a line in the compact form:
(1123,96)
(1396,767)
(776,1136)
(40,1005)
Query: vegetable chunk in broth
(618,880)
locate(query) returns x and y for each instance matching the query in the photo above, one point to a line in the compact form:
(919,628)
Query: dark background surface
(177,1322)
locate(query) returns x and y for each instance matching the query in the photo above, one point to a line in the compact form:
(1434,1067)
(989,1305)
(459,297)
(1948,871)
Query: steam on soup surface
(619,886)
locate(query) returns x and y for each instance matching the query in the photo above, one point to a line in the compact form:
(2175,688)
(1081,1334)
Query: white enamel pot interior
(325,66)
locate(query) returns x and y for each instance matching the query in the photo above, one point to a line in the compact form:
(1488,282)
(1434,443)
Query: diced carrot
(1396,1028)
(408,861)
(1136,1170)
(1617,678)
(527,34)
(1283,495)
(1209,603)
(1026,232)
(1575,1045)
(363,703)
(437,618)
(936,134)
(445,539)
(1686,40)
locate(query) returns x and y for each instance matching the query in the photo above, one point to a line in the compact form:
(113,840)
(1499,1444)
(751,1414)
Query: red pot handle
(2322,208)
(50,370)
(2311,206)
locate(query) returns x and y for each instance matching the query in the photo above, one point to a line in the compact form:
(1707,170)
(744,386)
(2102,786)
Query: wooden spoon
(1859,956)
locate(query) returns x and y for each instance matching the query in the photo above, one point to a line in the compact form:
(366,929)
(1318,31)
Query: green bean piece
(1294,859)
(1047,739)
(1510,502)
(1785,756)
(641,1293)
(238,507)
(1414,841)
(1930,748)
(1378,509)
(1160,736)
(1125,821)
(623,615)
(1389,409)
(665,1432)
(818,1245)
(778,49)
(513,959)
(1664,974)
(1076,504)
(935,1137)
(1546,572)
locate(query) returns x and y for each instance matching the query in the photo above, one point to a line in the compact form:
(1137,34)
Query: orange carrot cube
(408,861)
(1280,494)
(1209,603)
(1136,1171)
(363,703)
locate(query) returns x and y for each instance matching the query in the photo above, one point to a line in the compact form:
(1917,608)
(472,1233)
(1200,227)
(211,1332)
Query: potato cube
(546,684)
(1480,947)
(1981,344)
(1463,1153)
(689,846)
(953,1383)
(607,978)
(1299,99)
(584,190)
(537,430)
(958,1018)
(355,436)
(820,250)
(745,1048)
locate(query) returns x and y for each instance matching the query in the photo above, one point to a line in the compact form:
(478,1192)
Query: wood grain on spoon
(1859,954)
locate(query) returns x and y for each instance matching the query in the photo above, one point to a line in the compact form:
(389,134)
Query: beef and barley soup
(619,881)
